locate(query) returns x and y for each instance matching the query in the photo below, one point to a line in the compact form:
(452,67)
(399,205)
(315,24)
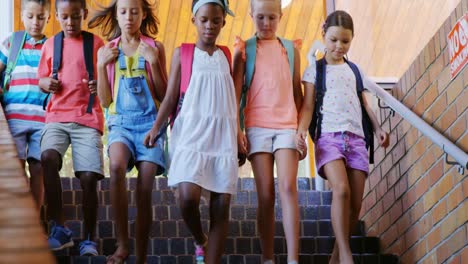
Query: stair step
(234,246)
(237,228)
(234,259)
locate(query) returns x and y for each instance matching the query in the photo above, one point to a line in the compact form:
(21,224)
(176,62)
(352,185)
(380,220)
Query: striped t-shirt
(24,99)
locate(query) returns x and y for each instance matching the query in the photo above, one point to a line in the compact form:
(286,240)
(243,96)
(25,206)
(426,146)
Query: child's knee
(88,181)
(288,188)
(341,191)
(51,157)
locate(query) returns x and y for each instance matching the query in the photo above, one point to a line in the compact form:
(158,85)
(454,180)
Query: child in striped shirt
(22,99)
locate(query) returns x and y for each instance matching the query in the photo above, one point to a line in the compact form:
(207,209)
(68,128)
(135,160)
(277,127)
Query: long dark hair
(339,18)
(105,18)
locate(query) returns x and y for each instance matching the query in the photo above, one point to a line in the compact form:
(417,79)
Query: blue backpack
(251,54)
(16,44)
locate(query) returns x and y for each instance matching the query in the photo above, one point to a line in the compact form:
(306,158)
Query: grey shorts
(270,140)
(86,145)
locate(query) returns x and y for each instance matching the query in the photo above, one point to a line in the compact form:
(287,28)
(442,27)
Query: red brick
(415,253)
(381,188)
(384,222)
(426,161)
(396,211)
(443,79)
(431,49)
(444,186)
(456,196)
(386,164)
(454,89)
(449,224)
(433,238)
(410,99)
(403,223)
(461,103)
(436,68)
(430,258)
(422,85)
(436,44)
(430,95)
(417,211)
(458,128)
(370,200)
(444,122)
(389,236)
(397,248)
(455,243)
(436,172)
(422,186)
(409,198)
(439,211)
(419,109)
(414,174)
(388,199)
(401,187)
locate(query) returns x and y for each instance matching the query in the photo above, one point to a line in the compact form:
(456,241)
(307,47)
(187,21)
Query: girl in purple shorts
(341,124)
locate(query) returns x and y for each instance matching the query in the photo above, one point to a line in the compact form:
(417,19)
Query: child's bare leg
(119,157)
(262,166)
(36,182)
(88,181)
(340,213)
(146,174)
(286,163)
(51,164)
(189,202)
(219,221)
(357,181)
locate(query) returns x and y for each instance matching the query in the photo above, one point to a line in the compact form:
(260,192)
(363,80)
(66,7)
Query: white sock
(292,262)
(269,261)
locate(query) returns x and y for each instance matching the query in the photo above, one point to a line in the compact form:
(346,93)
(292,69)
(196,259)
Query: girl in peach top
(272,103)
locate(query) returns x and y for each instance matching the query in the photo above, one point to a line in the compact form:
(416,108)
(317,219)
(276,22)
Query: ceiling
(388,34)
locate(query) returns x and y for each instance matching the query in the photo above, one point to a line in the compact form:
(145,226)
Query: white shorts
(270,140)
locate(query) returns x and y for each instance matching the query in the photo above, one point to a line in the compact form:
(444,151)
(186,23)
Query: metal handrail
(446,145)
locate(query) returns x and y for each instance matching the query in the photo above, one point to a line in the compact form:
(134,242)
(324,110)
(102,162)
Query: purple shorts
(341,145)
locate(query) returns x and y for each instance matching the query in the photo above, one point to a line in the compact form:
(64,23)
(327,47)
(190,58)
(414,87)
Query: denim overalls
(135,112)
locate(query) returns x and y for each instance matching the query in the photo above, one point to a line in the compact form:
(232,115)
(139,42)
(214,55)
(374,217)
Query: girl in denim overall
(135,66)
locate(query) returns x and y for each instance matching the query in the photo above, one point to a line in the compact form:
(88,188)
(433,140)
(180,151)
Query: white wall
(6,18)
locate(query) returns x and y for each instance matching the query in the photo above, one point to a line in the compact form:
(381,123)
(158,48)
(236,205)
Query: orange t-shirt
(270,99)
(70,103)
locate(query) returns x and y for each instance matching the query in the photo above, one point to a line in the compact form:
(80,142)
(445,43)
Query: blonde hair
(252,4)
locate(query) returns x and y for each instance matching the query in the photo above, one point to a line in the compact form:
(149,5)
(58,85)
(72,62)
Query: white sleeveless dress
(203,142)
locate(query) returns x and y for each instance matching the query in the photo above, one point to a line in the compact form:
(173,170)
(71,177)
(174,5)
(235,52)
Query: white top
(341,109)
(203,145)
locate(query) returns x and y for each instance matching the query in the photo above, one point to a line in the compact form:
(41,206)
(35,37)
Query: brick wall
(414,201)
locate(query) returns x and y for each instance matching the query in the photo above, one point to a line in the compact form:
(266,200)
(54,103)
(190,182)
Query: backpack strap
(320,88)
(16,44)
(251,56)
(289,46)
(88,48)
(227,53)
(366,122)
(57,58)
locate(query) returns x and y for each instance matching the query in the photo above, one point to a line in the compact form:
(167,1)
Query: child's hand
(150,54)
(91,85)
(50,85)
(242,143)
(107,54)
(151,137)
(383,138)
(301,144)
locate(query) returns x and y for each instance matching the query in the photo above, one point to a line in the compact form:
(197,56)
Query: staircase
(171,242)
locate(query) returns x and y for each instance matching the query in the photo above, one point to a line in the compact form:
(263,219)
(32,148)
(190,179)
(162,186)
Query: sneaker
(88,248)
(60,237)
(199,254)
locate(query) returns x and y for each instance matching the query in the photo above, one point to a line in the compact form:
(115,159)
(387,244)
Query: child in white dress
(203,143)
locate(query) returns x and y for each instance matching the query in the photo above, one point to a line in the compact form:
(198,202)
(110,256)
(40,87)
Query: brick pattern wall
(414,201)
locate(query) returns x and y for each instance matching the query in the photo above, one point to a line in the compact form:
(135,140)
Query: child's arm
(157,59)
(382,136)
(297,91)
(305,116)
(106,55)
(238,76)
(170,100)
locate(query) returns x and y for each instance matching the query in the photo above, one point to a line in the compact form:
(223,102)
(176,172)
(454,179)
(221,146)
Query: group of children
(56,88)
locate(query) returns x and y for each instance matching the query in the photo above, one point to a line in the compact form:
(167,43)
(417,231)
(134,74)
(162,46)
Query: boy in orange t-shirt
(69,122)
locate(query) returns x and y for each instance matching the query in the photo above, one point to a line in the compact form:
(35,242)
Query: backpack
(16,44)
(186,61)
(315,128)
(251,54)
(88,48)
(111,66)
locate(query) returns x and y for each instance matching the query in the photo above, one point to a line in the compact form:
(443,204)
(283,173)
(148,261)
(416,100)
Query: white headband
(224,4)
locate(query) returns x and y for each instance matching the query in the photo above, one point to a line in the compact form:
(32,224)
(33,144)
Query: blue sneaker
(88,248)
(60,237)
